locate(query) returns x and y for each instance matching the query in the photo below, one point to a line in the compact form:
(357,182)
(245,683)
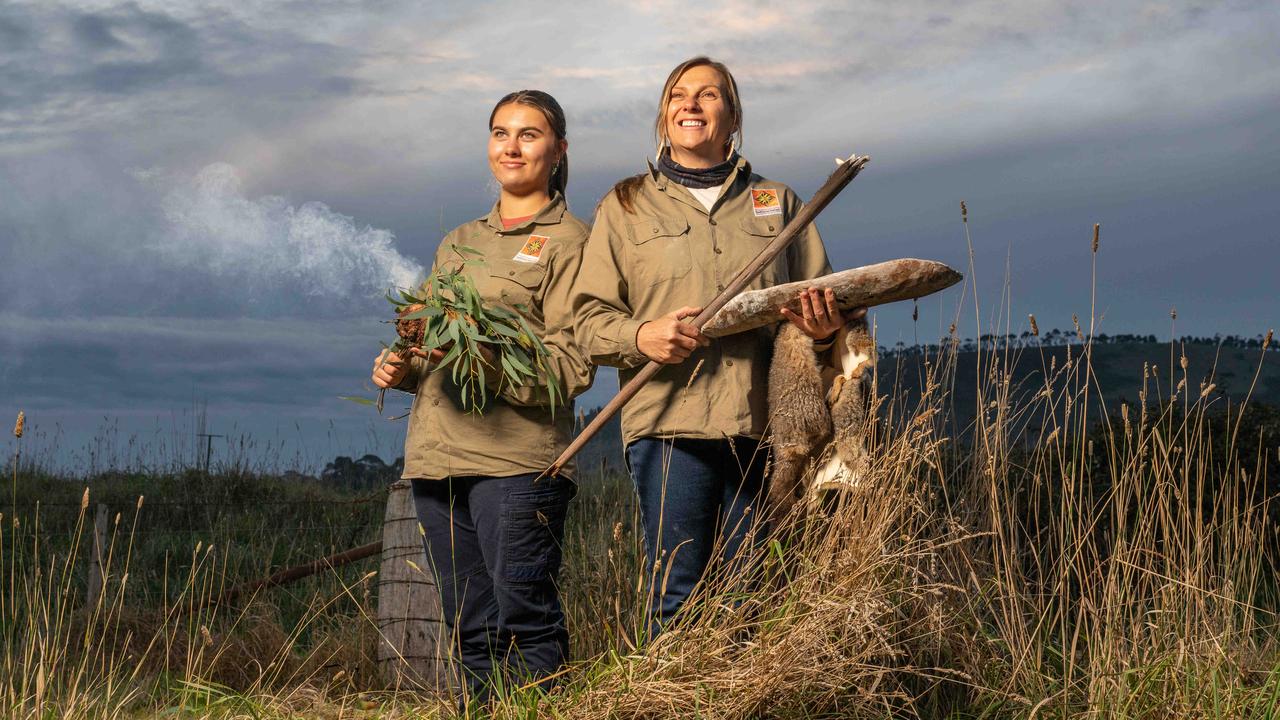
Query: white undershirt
(707,196)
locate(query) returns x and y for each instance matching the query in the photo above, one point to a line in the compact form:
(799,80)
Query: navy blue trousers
(495,545)
(699,501)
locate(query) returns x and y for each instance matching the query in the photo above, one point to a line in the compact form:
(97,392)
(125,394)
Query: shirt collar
(550,214)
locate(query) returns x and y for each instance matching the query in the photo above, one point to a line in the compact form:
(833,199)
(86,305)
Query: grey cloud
(116,51)
(127,68)
(246,365)
(159,50)
(95,31)
(15,36)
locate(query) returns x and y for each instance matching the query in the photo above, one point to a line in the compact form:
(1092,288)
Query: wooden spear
(845,172)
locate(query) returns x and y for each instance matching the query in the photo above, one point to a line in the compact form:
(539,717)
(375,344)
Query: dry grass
(1047,566)
(1048,562)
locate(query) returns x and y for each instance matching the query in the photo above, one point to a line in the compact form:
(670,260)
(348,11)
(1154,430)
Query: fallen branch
(866,286)
(296,572)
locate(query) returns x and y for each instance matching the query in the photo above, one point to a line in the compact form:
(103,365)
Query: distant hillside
(1117,367)
(1117,363)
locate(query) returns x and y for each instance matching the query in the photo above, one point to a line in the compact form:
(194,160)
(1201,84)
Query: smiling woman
(492,531)
(527,157)
(663,243)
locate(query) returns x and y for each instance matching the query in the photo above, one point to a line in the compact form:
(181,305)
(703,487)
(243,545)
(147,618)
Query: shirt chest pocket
(757,233)
(660,250)
(514,283)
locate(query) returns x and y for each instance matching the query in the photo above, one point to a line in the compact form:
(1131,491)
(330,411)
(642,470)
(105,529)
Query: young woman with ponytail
(491,529)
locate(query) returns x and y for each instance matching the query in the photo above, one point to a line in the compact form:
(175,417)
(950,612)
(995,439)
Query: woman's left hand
(820,317)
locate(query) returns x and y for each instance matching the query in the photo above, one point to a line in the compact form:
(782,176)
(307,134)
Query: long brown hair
(625,189)
(551,110)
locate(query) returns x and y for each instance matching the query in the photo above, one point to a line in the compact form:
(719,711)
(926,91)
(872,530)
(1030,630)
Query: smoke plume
(212,226)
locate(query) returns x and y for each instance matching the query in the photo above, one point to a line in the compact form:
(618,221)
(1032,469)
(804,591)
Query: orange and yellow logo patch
(764,201)
(532,249)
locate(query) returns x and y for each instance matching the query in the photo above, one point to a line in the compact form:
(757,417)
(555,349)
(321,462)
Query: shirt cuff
(628,350)
(825,345)
(417,368)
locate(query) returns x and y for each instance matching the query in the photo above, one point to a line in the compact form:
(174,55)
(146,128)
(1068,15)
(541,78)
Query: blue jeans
(495,545)
(693,494)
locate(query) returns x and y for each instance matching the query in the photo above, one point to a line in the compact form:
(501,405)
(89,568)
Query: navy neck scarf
(696,177)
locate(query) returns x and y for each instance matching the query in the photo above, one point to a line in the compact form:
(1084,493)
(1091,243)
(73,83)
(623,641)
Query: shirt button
(719,251)
(655,230)
(711,221)
(435,402)
(729,363)
(511,272)
(720,288)
(770,228)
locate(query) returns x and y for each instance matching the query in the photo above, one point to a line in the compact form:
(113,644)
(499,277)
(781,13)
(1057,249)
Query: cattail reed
(22,421)
(964,212)
(1266,341)
(1035,329)
(1096,228)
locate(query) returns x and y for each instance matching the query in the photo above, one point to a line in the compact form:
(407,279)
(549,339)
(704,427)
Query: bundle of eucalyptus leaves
(445,312)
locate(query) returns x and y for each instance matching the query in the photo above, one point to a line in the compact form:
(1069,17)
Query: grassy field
(1047,565)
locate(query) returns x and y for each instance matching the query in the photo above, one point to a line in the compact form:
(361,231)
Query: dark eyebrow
(523,129)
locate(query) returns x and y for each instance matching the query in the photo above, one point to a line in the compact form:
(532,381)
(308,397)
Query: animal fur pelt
(817,406)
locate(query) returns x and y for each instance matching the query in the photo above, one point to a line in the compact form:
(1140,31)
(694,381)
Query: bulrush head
(18,426)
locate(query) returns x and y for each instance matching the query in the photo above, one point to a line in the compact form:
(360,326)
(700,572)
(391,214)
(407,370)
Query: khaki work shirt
(669,253)
(516,433)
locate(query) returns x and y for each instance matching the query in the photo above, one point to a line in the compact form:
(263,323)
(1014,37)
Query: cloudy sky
(202,201)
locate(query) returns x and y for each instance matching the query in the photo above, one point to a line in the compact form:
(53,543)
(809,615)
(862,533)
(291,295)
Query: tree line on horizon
(1059,338)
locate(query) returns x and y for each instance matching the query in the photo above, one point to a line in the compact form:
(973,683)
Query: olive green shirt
(671,252)
(517,432)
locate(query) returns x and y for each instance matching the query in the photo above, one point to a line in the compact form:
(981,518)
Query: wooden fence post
(97,557)
(411,652)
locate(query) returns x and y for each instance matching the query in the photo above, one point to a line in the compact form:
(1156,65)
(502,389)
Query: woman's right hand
(668,340)
(389,369)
